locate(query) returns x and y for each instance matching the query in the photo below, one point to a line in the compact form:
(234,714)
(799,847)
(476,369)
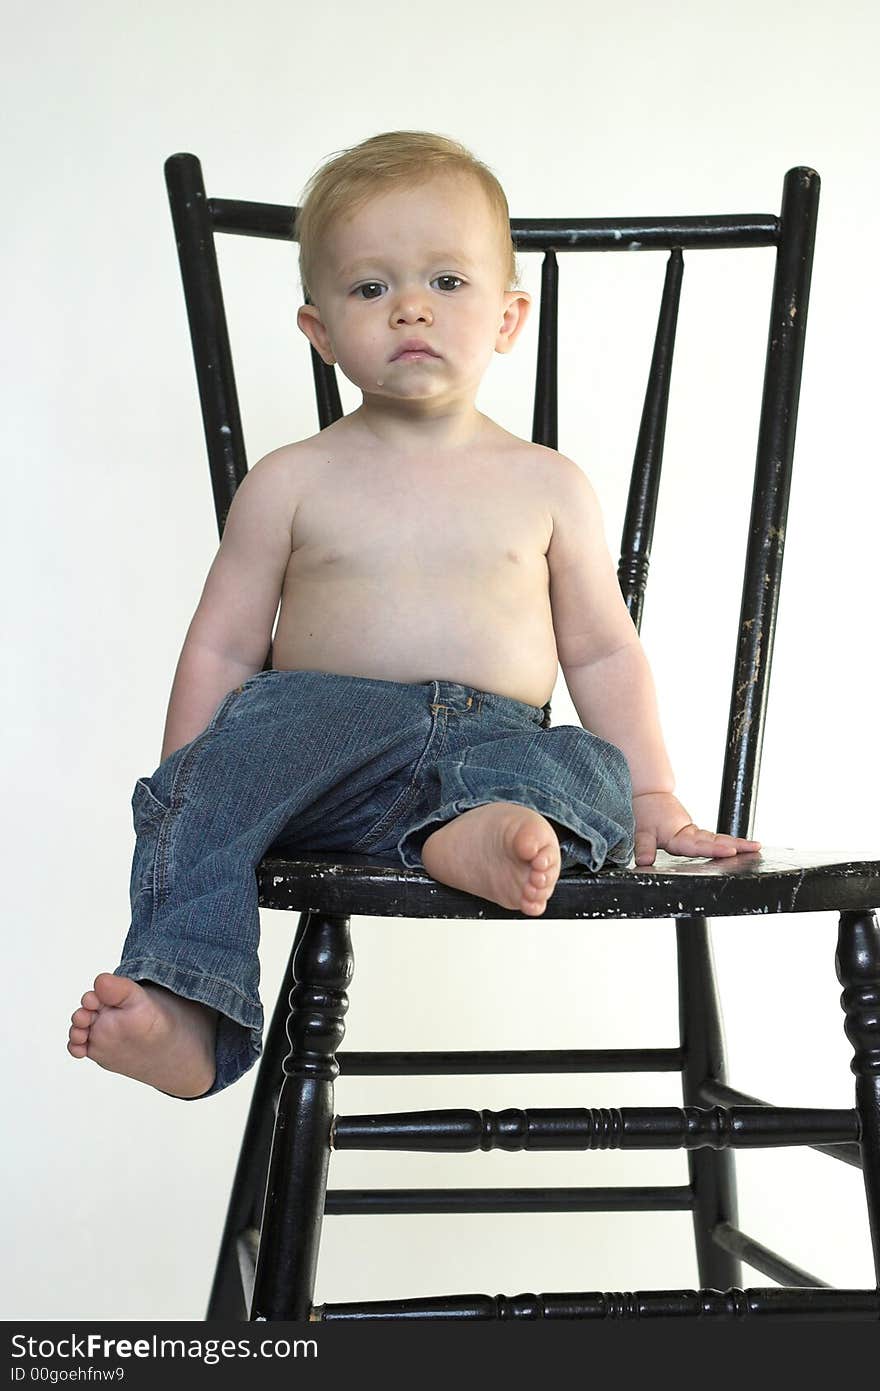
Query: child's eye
(446,282)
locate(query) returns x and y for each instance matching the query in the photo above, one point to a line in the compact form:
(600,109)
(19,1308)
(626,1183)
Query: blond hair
(393,159)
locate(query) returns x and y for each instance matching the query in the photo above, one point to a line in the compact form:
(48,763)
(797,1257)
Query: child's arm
(608,674)
(231,629)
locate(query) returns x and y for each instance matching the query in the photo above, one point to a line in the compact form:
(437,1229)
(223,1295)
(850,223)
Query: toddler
(432,570)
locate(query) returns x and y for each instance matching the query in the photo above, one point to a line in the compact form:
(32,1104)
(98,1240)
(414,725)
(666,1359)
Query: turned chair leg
(227,1301)
(293,1212)
(858,970)
(711,1172)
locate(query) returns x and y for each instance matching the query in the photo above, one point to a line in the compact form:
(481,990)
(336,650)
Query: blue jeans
(309,760)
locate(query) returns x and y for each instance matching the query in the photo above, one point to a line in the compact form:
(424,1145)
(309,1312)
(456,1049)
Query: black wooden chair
(269,1250)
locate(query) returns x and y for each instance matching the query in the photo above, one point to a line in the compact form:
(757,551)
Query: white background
(115,1195)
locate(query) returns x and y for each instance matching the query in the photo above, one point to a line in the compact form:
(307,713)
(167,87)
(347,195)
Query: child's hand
(662,823)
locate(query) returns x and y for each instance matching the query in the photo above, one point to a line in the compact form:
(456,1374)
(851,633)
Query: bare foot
(148,1033)
(502,851)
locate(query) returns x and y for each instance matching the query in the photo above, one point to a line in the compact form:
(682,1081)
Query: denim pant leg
(288,751)
(194,916)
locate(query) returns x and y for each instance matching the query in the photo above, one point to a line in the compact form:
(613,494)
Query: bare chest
(408,574)
(422,527)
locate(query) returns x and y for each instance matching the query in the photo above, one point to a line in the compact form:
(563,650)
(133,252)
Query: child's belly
(493,632)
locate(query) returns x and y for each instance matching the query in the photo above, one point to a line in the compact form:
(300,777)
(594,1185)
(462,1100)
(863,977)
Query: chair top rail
(276,221)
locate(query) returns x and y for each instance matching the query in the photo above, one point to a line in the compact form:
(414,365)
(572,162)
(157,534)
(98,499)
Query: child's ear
(516,310)
(308,318)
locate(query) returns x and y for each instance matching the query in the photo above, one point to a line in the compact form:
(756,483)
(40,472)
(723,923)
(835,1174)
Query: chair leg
(712,1174)
(227,1301)
(858,970)
(290,1230)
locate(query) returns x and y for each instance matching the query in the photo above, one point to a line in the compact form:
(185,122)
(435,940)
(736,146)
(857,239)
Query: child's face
(423,263)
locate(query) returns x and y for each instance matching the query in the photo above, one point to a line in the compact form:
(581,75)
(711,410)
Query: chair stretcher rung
(376,1200)
(719,1094)
(511,1060)
(731,1239)
(583,1128)
(641,1304)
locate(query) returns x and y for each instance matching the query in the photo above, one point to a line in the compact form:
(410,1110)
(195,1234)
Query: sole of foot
(148,1033)
(501,851)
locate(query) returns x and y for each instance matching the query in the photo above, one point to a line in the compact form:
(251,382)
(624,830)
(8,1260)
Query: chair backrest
(196,218)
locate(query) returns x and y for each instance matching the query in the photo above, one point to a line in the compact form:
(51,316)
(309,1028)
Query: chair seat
(772,880)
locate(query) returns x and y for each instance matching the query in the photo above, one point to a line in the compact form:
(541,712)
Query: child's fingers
(645,847)
(697,841)
(692,840)
(730,845)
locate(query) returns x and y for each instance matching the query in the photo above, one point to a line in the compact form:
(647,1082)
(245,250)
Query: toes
(91,1001)
(76,1050)
(79,1035)
(113,990)
(543,855)
(544,869)
(532,895)
(83,1018)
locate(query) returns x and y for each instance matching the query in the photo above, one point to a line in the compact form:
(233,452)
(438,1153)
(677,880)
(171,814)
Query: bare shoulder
(577,521)
(288,461)
(281,475)
(566,485)
(549,464)
(294,461)
(557,466)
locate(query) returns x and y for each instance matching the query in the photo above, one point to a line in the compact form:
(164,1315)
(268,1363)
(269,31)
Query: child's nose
(411,308)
